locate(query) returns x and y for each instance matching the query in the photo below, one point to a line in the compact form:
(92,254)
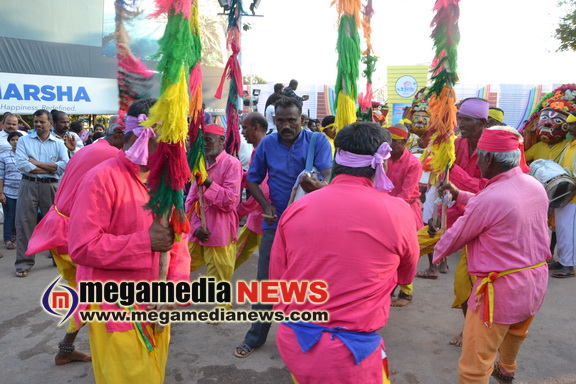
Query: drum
(559,184)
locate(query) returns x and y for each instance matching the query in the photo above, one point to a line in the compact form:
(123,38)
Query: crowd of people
(353,206)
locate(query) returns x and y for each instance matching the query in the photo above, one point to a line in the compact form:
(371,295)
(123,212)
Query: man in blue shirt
(41,158)
(282,156)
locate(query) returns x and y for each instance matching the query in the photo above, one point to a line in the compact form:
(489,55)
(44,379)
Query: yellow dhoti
(219,261)
(248,242)
(67,270)
(463,282)
(123,358)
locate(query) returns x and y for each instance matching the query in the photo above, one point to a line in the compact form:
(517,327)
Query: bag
(310,170)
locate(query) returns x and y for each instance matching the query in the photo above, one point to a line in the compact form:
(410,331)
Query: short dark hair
(287,102)
(327,120)
(278,87)
(41,112)
(362,138)
(76,127)
(261,121)
(99,125)
(141,106)
(12,134)
(293,83)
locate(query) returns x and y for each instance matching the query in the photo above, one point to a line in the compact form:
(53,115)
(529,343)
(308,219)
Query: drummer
(566,216)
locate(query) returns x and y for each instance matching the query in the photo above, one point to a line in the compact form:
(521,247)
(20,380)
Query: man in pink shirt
(507,242)
(112,238)
(254,128)
(52,232)
(215,245)
(360,257)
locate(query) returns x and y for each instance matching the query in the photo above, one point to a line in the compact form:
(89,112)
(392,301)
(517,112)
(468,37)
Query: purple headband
(376,161)
(133,124)
(475,107)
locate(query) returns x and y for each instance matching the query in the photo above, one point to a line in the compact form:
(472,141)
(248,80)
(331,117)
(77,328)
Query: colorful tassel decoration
(365,100)
(442,102)
(134,79)
(234,73)
(169,170)
(348,47)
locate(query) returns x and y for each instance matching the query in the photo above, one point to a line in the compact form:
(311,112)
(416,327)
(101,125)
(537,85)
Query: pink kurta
(220,201)
(405,173)
(108,237)
(504,232)
(465,175)
(52,231)
(362,243)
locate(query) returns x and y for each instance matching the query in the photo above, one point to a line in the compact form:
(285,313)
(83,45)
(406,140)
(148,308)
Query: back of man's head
(361,138)
(287,102)
(278,87)
(258,119)
(76,127)
(293,84)
(141,106)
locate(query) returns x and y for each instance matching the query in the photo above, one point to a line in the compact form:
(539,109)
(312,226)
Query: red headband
(215,129)
(496,140)
(398,132)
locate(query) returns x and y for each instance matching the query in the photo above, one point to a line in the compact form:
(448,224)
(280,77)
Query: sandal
(555,266)
(243,350)
(21,273)
(427,274)
(563,273)
(500,377)
(443,266)
(10,245)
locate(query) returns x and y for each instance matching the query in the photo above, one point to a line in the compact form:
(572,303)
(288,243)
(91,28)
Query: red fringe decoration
(171,159)
(179,222)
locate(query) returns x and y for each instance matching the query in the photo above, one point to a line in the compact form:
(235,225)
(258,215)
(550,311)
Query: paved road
(416,338)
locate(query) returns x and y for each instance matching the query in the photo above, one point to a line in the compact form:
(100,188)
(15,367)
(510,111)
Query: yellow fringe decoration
(194,21)
(442,111)
(348,7)
(171,110)
(443,154)
(346,111)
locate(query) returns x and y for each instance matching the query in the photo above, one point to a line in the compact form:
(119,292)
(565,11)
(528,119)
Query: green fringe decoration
(176,48)
(538,106)
(348,48)
(370,62)
(164,198)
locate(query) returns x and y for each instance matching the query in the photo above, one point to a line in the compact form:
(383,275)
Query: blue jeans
(258,333)
(9,218)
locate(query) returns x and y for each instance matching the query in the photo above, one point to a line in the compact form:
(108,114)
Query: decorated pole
(442,103)
(348,47)
(365,100)
(169,171)
(234,73)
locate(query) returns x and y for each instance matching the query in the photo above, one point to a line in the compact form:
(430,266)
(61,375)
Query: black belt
(40,179)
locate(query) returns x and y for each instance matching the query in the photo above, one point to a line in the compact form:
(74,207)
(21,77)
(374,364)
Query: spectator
(10,178)
(10,125)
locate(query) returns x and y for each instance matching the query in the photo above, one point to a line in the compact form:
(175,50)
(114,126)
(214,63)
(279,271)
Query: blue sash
(361,344)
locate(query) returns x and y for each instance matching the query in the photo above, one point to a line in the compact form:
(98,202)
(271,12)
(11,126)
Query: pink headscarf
(376,161)
(138,152)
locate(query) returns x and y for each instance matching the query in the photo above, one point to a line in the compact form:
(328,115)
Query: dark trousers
(31,197)
(9,218)
(258,333)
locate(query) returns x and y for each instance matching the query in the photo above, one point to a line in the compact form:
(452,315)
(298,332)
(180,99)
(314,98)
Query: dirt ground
(416,338)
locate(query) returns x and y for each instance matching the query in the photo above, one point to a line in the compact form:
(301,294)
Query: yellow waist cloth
(486,289)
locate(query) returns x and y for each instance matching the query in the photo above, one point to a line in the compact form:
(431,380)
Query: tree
(566,31)
(255,79)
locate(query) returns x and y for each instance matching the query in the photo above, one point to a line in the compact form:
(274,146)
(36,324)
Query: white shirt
(270,118)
